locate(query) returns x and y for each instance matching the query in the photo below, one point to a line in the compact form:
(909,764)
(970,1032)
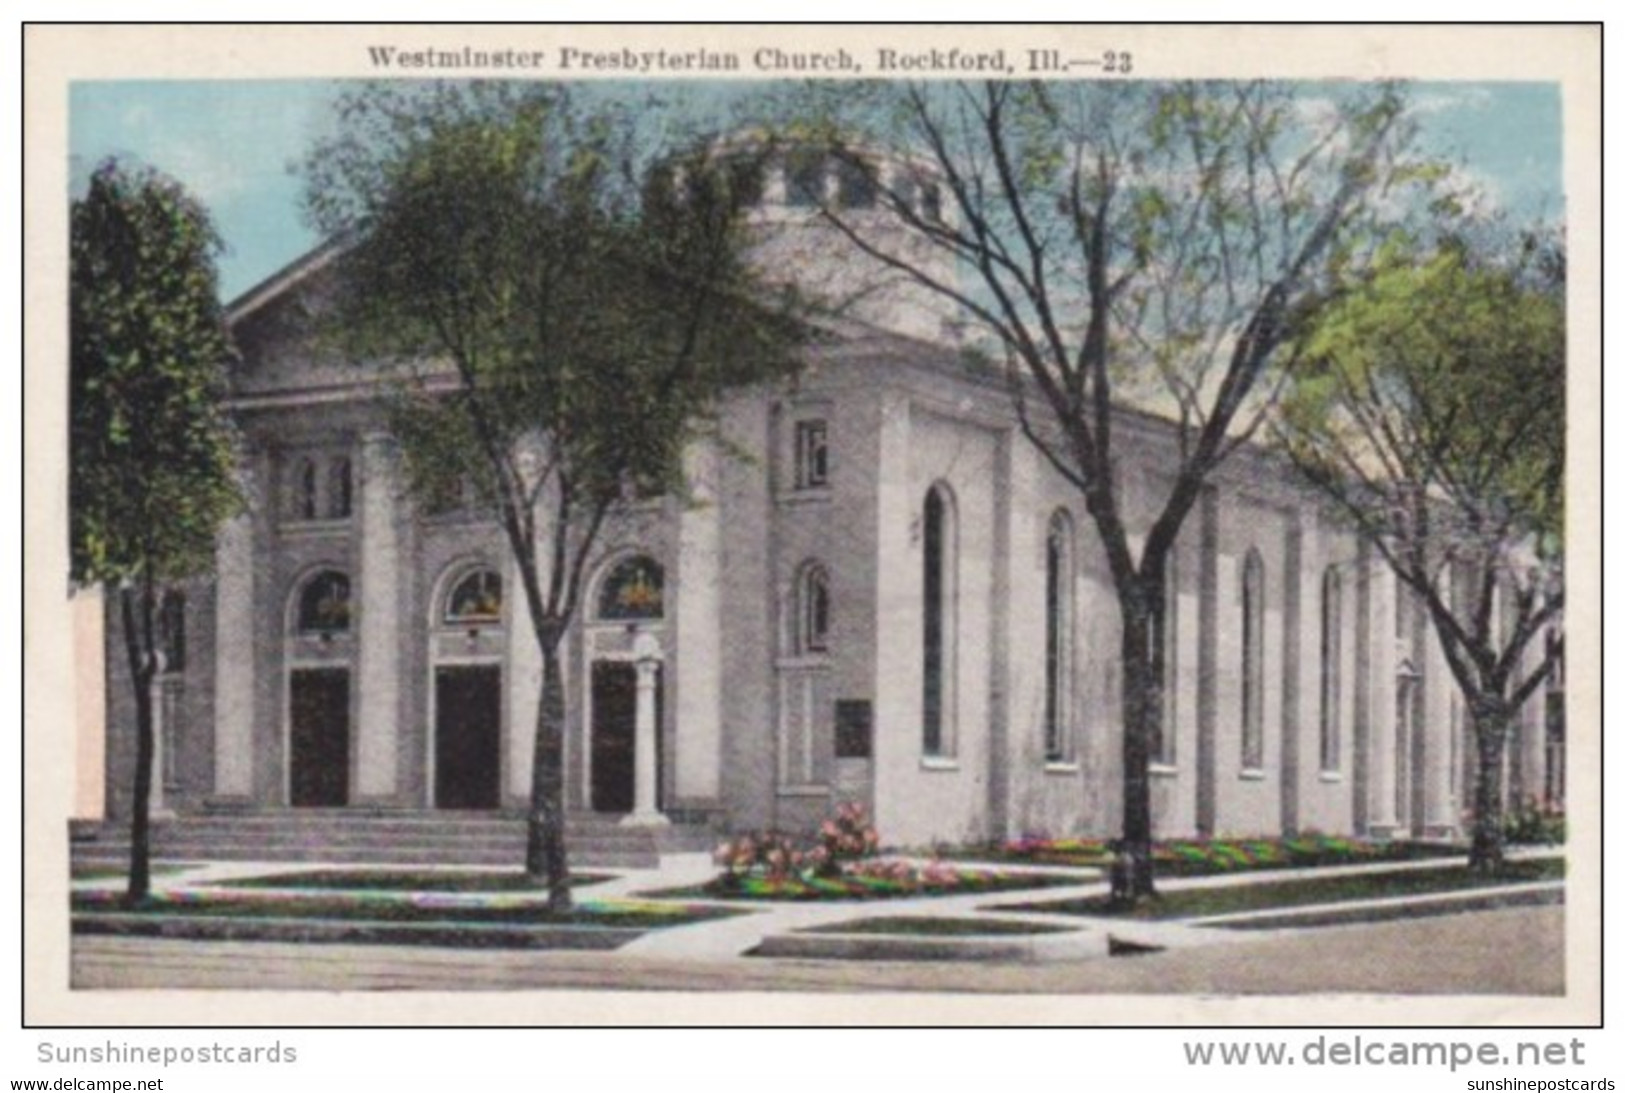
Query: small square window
(931,202)
(858,186)
(812,454)
(804,180)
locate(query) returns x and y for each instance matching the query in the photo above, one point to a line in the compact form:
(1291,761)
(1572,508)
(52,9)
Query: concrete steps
(394,838)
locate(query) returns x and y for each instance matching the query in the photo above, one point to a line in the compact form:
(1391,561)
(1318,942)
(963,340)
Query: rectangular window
(806,728)
(812,455)
(858,187)
(804,180)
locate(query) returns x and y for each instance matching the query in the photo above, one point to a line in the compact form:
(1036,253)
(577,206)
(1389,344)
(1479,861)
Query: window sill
(1163,770)
(1253,774)
(807,495)
(316,527)
(1061,766)
(803,791)
(1331,776)
(938,762)
(804,662)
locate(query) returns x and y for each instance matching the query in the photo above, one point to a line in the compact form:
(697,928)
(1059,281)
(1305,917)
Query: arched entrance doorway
(319,648)
(628,601)
(468,627)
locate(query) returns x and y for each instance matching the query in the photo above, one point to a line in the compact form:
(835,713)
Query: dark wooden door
(319,763)
(468,736)
(614,727)
(614,733)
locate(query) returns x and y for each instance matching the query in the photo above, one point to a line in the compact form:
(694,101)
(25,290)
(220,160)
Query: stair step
(339,835)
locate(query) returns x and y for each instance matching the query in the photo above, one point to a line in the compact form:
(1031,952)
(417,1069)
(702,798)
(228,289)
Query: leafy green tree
(1429,403)
(559,312)
(152,469)
(1134,245)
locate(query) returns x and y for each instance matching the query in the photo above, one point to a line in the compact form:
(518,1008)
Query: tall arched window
(1164,748)
(1331,670)
(324,604)
(938,622)
(1252,662)
(812,609)
(635,589)
(1058,589)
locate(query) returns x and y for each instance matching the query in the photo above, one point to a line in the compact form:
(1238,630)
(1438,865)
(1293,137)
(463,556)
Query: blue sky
(236,144)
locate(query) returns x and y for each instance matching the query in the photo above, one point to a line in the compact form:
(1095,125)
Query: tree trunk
(546,859)
(1488,852)
(141,675)
(1142,715)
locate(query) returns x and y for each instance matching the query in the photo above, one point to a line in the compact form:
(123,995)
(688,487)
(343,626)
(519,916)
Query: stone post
(645,813)
(378,670)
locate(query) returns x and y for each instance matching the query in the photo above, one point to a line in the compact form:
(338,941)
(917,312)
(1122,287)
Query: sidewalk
(734,937)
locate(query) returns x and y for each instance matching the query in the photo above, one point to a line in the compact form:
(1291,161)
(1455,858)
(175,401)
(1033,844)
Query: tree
(1122,245)
(561,317)
(1429,403)
(152,470)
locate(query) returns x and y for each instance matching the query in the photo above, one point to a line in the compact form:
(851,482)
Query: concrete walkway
(734,937)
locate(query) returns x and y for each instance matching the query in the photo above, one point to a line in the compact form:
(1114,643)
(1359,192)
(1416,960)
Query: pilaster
(378,665)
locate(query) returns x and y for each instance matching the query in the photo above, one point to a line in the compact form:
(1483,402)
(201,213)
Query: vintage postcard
(954,524)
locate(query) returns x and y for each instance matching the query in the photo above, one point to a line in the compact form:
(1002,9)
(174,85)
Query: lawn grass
(920,926)
(1210,857)
(406,880)
(391,908)
(799,888)
(97,871)
(1230,899)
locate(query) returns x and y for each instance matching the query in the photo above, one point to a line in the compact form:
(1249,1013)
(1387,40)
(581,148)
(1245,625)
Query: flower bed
(841,864)
(406,880)
(870,879)
(1205,857)
(1307,891)
(392,907)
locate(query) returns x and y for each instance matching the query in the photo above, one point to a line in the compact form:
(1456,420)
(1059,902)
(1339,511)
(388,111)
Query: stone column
(896,722)
(645,812)
(522,678)
(698,747)
(1433,806)
(1299,589)
(378,662)
(1376,696)
(234,661)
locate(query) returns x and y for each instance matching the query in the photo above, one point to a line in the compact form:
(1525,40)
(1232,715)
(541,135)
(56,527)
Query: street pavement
(1516,951)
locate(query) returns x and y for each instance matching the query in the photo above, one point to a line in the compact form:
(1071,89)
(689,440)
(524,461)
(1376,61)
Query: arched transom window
(475,600)
(324,604)
(633,590)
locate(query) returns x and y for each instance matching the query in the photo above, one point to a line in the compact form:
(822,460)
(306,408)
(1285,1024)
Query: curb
(1336,914)
(306,931)
(1035,948)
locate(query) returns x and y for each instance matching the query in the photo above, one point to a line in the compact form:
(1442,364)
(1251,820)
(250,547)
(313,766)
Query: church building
(889,597)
